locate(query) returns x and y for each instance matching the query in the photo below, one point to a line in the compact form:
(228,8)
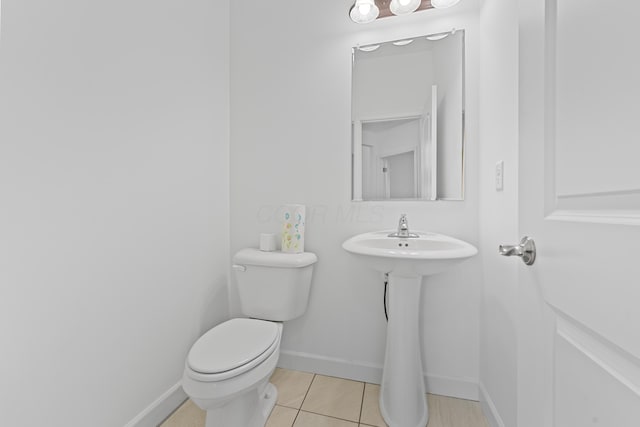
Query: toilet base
(251,409)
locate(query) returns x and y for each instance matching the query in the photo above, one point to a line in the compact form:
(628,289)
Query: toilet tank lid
(252,256)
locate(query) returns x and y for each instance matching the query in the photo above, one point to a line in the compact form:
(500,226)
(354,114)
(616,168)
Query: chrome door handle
(525,250)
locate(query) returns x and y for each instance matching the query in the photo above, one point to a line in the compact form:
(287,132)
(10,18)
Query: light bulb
(369,48)
(443,4)
(364,11)
(436,37)
(403,7)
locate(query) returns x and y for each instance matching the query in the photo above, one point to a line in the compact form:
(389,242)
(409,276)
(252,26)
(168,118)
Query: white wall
(401,175)
(449,71)
(290,129)
(114,207)
(393,81)
(499,210)
(391,141)
(390,138)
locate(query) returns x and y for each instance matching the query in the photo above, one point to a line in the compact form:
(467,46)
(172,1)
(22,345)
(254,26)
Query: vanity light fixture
(403,42)
(404,7)
(369,48)
(364,11)
(443,4)
(436,37)
(439,36)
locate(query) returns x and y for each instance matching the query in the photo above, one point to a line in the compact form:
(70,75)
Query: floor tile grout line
(303,399)
(295,418)
(364,390)
(331,416)
(306,393)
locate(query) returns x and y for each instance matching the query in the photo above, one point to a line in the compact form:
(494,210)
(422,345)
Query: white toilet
(228,369)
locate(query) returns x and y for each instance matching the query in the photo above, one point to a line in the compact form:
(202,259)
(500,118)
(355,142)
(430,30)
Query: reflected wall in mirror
(408,119)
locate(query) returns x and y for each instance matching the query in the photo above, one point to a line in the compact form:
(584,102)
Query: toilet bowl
(226,383)
(227,370)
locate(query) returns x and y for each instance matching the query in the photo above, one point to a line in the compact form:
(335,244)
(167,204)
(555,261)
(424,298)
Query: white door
(579,172)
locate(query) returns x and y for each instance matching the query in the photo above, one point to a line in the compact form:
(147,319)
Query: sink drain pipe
(384,296)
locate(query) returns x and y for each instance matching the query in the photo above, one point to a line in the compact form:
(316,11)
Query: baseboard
(462,388)
(160,409)
(331,366)
(489,408)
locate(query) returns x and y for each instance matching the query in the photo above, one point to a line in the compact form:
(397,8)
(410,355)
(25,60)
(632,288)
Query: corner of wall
(154,414)
(489,408)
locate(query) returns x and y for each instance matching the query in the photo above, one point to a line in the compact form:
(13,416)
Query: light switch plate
(500,175)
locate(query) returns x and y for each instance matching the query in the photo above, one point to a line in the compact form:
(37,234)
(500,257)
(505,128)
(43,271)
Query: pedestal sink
(402,392)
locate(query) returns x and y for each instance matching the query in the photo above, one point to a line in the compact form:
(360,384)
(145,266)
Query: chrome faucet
(403,229)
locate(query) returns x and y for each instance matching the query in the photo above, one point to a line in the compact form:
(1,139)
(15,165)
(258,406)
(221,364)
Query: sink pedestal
(402,394)
(402,399)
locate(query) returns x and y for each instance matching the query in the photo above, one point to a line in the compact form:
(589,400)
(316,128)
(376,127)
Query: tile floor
(310,400)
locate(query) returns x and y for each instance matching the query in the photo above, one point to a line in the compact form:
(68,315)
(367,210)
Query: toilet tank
(273,285)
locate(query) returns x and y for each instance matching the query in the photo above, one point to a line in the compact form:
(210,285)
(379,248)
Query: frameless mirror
(408,119)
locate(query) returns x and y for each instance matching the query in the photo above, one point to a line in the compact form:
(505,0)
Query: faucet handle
(403,229)
(403,224)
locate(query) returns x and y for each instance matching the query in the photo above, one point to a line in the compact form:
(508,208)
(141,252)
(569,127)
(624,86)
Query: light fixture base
(443,4)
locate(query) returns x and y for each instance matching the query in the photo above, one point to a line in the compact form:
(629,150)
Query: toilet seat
(232,348)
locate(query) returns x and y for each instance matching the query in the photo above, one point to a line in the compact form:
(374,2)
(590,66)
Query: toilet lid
(232,344)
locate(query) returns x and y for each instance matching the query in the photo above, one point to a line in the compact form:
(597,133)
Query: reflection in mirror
(408,119)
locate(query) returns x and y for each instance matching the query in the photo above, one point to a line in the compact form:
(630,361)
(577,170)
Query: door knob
(525,250)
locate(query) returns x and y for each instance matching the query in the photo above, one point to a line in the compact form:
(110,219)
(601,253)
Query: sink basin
(428,254)
(402,402)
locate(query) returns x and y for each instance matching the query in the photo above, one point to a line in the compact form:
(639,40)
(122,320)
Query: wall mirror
(408,119)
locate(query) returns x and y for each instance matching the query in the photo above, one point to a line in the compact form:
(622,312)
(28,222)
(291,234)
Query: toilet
(227,370)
